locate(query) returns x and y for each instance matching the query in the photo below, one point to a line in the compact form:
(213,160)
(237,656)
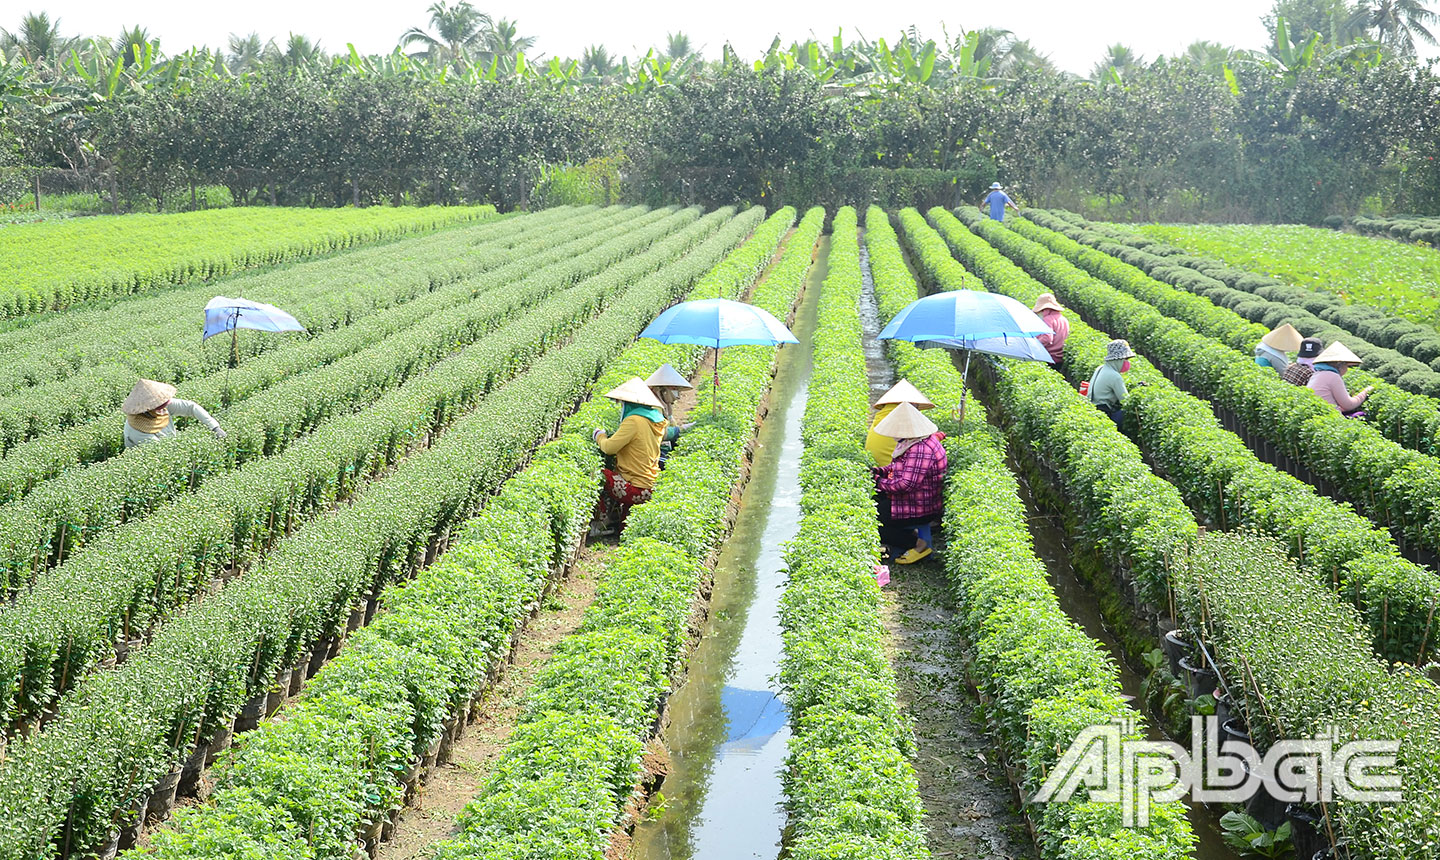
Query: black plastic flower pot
(1202,681)
(298,673)
(1307,830)
(221,742)
(318,656)
(1233,729)
(190,775)
(1177,647)
(249,716)
(162,797)
(1225,709)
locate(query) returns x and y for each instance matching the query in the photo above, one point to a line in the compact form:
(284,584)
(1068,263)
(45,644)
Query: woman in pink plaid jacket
(914,482)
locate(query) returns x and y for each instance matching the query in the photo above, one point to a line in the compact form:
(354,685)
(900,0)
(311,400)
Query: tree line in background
(1335,117)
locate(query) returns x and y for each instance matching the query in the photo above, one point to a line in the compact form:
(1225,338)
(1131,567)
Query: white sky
(1074,33)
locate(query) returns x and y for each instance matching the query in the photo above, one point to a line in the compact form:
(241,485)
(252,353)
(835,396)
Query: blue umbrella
(718,323)
(972,321)
(964,315)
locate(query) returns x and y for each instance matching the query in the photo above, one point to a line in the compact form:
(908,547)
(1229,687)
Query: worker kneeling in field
(150,411)
(666,384)
(1330,365)
(1272,350)
(1107,384)
(636,449)
(913,483)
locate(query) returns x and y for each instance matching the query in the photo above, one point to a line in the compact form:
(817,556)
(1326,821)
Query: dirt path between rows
(432,817)
(969,805)
(441,798)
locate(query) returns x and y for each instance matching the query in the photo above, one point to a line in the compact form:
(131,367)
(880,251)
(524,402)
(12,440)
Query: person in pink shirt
(1330,365)
(1049,312)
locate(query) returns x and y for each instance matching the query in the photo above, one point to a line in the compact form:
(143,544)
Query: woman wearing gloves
(1330,365)
(666,384)
(150,411)
(1107,386)
(636,449)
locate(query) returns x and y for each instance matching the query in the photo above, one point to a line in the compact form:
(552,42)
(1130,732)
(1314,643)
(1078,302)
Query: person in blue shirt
(997,200)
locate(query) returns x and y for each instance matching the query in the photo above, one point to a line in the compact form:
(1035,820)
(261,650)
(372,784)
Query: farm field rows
(52,266)
(294,624)
(1403,280)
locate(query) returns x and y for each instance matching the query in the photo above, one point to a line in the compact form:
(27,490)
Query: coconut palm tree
(300,51)
(1120,60)
(501,40)
(1396,24)
(459,31)
(1022,55)
(677,46)
(596,61)
(38,40)
(131,43)
(1210,56)
(248,52)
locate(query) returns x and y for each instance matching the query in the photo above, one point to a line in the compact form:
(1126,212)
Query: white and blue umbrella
(223,313)
(718,323)
(972,321)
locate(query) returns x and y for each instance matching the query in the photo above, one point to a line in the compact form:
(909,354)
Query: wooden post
(37,192)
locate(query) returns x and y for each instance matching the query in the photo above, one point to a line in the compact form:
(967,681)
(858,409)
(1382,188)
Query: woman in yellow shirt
(635,446)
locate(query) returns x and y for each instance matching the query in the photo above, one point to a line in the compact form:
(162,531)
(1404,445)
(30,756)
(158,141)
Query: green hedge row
(135,575)
(1412,228)
(1393,485)
(1129,513)
(1405,411)
(1376,325)
(1047,681)
(1313,644)
(62,515)
(67,262)
(1300,663)
(1221,478)
(205,663)
(100,438)
(308,785)
(850,790)
(155,335)
(570,766)
(127,341)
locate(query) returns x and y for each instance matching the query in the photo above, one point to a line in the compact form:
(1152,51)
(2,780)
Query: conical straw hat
(904,392)
(1337,353)
(1285,338)
(1046,301)
(634,390)
(146,395)
(906,422)
(667,377)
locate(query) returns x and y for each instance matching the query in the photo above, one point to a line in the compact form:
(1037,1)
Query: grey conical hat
(146,395)
(904,392)
(906,422)
(666,376)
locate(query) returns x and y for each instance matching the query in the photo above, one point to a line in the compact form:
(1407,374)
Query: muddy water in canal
(728,730)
